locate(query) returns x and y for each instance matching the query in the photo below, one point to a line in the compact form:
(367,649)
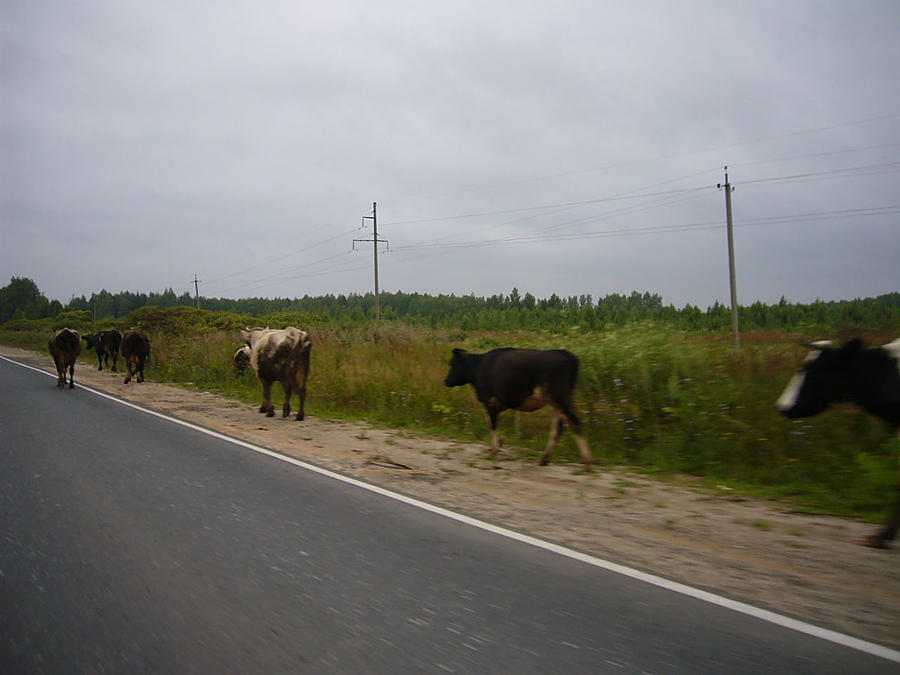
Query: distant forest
(21,299)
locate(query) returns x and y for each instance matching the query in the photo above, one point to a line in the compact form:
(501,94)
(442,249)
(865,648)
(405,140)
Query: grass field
(652,397)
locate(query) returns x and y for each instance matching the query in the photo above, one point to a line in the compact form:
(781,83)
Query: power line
(618,165)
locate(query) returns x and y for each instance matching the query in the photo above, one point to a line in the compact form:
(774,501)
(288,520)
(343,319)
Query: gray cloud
(143,144)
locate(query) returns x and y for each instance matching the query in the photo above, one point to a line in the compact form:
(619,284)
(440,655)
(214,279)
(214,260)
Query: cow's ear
(851,348)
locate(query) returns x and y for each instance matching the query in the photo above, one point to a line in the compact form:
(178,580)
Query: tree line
(21,299)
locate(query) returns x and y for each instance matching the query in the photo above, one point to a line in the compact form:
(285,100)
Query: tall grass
(652,397)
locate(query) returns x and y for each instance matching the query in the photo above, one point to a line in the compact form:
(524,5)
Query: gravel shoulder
(757,551)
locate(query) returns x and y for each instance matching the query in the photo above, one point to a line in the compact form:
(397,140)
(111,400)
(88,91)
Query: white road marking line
(660,582)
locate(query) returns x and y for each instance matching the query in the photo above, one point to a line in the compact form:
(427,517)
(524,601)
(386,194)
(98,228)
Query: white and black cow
(523,379)
(870,378)
(65,346)
(282,356)
(241,359)
(106,343)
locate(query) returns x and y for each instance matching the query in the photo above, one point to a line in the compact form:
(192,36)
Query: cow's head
(241,359)
(91,340)
(459,370)
(821,380)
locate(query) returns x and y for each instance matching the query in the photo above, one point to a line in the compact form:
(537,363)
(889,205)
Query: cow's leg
(555,429)
(300,388)
(889,531)
(60,373)
(99,360)
(286,408)
(495,435)
(140,371)
(115,357)
(71,375)
(267,406)
(566,409)
(129,369)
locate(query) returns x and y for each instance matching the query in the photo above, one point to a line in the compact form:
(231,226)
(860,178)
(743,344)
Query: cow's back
(274,352)
(511,375)
(135,344)
(65,343)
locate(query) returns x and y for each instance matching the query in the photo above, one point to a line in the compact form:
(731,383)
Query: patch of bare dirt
(760,552)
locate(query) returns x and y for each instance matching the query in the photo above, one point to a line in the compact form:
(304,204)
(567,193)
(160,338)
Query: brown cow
(65,346)
(283,356)
(136,351)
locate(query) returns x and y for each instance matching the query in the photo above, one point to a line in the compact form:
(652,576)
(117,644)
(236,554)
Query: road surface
(129,543)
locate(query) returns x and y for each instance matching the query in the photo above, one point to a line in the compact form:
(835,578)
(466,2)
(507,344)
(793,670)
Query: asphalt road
(131,544)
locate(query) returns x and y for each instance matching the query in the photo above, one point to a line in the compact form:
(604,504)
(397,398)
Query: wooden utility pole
(375,241)
(197,290)
(734,303)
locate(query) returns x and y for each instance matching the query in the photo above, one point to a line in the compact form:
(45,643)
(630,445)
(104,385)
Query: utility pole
(197,290)
(375,241)
(734,304)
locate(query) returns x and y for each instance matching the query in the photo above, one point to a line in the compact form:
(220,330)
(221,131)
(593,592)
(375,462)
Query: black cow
(522,379)
(106,343)
(65,346)
(869,378)
(136,351)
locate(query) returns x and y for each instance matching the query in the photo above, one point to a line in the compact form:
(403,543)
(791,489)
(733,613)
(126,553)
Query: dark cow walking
(869,378)
(135,351)
(65,346)
(280,356)
(106,343)
(522,379)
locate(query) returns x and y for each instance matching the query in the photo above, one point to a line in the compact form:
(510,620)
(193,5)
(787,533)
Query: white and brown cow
(870,378)
(280,356)
(65,346)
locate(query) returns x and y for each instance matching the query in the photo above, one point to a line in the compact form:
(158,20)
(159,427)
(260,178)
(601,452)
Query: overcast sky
(557,147)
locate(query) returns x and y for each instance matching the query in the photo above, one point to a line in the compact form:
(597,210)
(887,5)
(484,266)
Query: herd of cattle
(65,346)
(529,379)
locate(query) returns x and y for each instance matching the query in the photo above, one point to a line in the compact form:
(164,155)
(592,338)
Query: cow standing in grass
(870,378)
(280,356)
(106,343)
(65,346)
(523,379)
(135,351)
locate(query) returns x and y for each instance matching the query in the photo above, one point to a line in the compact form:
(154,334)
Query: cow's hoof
(544,461)
(299,418)
(270,413)
(72,385)
(873,541)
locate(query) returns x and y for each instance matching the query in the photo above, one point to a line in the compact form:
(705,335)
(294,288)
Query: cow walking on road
(523,379)
(280,356)
(65,346)
(135,351)
(870,378)
(106,343)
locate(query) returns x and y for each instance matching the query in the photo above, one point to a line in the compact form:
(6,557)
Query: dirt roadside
(760,552)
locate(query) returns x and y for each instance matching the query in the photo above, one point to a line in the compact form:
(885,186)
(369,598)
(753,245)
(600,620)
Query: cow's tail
(573,370)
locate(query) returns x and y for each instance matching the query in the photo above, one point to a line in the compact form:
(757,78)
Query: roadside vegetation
(660,390)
